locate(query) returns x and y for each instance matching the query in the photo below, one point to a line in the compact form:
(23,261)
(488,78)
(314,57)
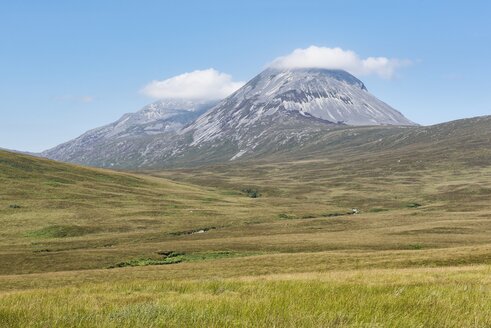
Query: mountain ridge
(160,117)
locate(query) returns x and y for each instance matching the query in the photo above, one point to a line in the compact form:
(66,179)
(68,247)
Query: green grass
(377,210)
(57,231)
(175,257)
(144,262)
(413,205)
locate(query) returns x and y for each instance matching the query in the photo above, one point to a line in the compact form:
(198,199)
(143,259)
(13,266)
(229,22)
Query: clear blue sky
(69,66)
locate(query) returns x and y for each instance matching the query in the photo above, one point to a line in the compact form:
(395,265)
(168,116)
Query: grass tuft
(172,257)
(377,210)
(61,231)
(413,205)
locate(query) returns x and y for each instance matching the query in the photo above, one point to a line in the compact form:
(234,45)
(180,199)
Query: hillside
(88,247)
(461,141)
(107,217)
(52,211)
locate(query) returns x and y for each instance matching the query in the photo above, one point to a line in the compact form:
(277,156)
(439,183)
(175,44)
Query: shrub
(377,210)
(285,216)
(413,205)
(252,193)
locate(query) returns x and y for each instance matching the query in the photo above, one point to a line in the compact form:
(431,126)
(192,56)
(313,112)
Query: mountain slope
(315,98)
(462,141)
(162,117)
(331,95)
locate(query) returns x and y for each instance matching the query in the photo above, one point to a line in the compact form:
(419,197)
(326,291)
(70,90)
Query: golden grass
(296,257)
(451,297)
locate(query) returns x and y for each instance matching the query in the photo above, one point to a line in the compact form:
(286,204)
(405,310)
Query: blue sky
(69,66)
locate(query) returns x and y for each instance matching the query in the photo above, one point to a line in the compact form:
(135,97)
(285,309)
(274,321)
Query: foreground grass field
(361,241)
(423,297)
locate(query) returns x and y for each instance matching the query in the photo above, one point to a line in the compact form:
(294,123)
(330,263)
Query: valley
(378,225)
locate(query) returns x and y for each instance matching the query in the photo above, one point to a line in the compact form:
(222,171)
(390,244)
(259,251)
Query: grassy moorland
(62,217)
(260,244)
(423,297)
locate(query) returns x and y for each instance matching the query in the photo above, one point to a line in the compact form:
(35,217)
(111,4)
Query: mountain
(331,95)
(276,110)
(162,117)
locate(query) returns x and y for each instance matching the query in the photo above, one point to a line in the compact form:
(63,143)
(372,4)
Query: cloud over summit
(210,84)
(337,58)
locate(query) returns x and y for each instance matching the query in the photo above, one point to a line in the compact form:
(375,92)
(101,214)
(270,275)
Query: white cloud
(208,84)
(337,58)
